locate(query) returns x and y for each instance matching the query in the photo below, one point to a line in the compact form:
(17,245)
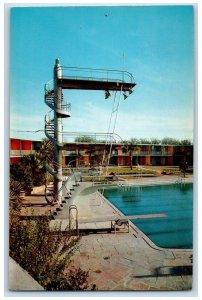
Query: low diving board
(64,223)
(115,218)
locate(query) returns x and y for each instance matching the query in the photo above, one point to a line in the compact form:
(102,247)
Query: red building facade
(85,154)
(18,148)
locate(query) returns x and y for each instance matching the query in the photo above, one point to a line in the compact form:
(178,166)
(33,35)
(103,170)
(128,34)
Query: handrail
(52,162)
(114,136)
(121,73)
(111,135)
(70,219)
(48,86)
(50,100)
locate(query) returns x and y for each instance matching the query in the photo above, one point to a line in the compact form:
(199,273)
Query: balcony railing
(69,153)
(142,153)
(21,152)
(114,153)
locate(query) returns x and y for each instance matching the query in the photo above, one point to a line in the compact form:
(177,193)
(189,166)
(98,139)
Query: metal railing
(142,153)
(52,102)
(48,87)
(76,73)
(21,152)
(97,137)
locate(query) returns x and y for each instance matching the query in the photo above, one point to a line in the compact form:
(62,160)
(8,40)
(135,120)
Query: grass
(124,171)
(121,171)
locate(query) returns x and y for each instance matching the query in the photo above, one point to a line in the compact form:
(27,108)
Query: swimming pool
(175,200)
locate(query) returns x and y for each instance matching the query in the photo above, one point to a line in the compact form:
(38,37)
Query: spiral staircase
(62,111)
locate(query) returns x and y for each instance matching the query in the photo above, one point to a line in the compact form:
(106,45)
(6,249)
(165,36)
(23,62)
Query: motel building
(88,154)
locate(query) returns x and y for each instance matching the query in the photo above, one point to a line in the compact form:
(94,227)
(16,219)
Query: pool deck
(126,260)
(122,260)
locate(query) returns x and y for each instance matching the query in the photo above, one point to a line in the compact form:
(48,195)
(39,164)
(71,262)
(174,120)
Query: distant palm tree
(129,148)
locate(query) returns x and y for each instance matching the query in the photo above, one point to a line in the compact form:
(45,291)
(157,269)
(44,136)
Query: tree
(184,166)
(128,148)
(135,141)
(30,170)
(185,142)
(46,150)
(20,172)
(170,141)
(155,141)
(85,139)
(145,141)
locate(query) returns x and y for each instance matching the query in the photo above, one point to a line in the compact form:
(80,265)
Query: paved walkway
(20,280)
(123,261)
(126,261)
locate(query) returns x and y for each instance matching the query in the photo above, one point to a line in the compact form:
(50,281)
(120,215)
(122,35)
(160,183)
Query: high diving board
(95,79)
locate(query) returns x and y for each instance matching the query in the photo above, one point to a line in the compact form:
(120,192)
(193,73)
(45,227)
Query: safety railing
(48,87)
(52,102)
(54,164)
(94,137)
(76,73)
(73,219)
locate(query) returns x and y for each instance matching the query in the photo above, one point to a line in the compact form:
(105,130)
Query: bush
(45,254)
(15,202)
(29,171)
(21,172)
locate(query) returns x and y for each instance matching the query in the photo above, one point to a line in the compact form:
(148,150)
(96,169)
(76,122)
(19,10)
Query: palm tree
(128,148)
(30,170)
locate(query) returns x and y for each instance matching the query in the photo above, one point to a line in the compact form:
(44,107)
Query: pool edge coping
(141,233)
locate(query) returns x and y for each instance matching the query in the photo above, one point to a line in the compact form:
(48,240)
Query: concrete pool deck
(126,261)
(121,261)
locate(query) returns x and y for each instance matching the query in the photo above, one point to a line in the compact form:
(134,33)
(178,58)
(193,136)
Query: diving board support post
(119,223)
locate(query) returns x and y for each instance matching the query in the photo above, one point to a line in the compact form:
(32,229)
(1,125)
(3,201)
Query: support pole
(58,130)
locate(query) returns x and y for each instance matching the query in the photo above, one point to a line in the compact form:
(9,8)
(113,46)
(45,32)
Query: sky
(154,43)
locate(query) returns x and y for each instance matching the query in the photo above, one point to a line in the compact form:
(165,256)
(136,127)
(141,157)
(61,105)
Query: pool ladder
(71,209)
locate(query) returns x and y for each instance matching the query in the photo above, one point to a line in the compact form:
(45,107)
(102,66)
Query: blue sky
(154,43)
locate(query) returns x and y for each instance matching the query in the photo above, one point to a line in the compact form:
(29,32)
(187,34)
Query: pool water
(176,201)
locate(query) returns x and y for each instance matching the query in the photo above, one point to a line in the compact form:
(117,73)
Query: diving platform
(83,84)
(95,79)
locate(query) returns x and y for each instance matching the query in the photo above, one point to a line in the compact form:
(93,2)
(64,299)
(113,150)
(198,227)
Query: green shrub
(29,171)
(15,202)
(46,254)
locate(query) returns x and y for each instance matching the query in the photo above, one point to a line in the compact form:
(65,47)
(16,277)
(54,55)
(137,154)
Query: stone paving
(125,261)
(122,261)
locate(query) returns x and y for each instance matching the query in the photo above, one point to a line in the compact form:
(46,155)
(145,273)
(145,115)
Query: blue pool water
(176,201)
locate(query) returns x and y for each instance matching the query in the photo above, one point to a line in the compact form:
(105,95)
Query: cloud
(95,118)
(132,124)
